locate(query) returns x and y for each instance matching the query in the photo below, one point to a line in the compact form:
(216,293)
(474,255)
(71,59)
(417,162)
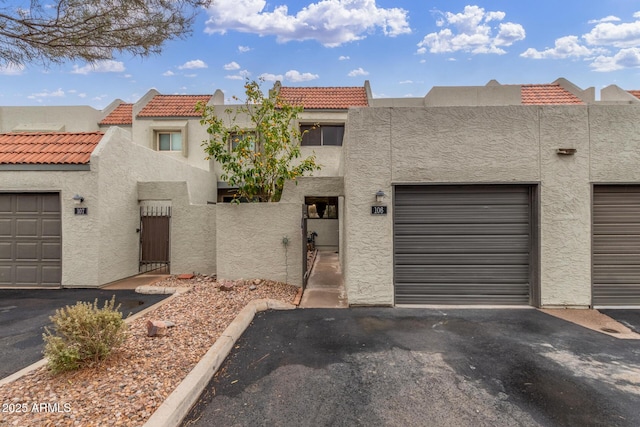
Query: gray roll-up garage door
(30,240)
(462,244)
(616,245)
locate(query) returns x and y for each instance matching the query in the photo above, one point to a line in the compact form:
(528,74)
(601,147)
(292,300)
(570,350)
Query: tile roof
(547,94)
(48,148)
(329,98)
(121,115)
(635,93)
(173,106)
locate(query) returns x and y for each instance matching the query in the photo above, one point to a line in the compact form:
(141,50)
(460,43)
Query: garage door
(30,240)
(616,245)
(462,244)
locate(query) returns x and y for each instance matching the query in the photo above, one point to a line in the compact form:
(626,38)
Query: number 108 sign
(378,210)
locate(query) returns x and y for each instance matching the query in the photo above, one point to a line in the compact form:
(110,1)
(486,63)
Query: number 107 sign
(378,210)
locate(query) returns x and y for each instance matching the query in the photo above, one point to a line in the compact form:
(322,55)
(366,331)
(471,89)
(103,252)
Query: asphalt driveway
(410,367)
(25,313)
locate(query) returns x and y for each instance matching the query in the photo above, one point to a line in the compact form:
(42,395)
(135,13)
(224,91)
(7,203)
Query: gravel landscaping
(128,387)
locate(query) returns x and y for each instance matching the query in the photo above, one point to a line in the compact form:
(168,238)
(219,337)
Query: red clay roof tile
(121,115)
(48,148)
(173,106)
(635,93)
(547,94)
(325,98)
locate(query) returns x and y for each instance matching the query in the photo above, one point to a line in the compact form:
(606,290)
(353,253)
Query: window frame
(320,125)
(158,129)
(171,134)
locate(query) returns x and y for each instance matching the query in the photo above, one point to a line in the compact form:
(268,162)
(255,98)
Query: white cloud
(243,49)
(231,66)
(471,31)
(330,22)
(343,58)
(297,76)
(268,77)
(82,95)
(193,65)
(625,58)
(11,70)
(609,46)
(242,75)
(358,72)
(46,94)
(168,73)
(565,47)
(405,82)
(106,66)
(609,18)
(192,75)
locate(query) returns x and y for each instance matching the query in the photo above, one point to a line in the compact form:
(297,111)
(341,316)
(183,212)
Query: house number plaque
(80,211)
(378,210)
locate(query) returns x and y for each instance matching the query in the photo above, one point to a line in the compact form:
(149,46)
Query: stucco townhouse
(495,194)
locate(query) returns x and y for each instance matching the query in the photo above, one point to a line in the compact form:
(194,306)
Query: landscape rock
(156,328)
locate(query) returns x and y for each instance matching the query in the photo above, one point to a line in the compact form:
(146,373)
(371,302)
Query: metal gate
(616,245)
(155,242)
(463,244)
(303,226)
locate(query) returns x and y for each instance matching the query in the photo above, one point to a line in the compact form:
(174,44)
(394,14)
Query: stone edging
(179,403)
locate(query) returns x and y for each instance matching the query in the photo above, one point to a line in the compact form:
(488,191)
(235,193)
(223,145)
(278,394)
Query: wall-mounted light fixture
(566,151)
(77,199)
(380,196)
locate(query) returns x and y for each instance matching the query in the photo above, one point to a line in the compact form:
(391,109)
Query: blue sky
(403,47)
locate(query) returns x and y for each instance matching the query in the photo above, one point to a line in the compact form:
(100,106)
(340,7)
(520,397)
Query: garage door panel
(51,227)
(6,275)
(26,227)
(5,203)
(27,251)
(616,245)
(412,228)
(51,251)
(30,239)
(27,274)
(27,203)
(6,227)
(459,259)
(462,244)
(51,275)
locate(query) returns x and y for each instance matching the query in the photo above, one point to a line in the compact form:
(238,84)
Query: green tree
(259,160)
(91,30)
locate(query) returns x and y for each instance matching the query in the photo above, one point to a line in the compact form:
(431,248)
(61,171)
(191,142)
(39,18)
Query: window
(236,137)
(322,135)
(170,141)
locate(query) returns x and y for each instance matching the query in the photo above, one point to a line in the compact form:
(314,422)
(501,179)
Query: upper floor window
(170,141)
(236,137)
(322,135)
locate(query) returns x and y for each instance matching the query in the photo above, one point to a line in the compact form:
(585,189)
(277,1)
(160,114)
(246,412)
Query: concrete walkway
(325,288)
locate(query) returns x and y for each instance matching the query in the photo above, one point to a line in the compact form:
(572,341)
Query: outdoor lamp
(78,199)
(379,196)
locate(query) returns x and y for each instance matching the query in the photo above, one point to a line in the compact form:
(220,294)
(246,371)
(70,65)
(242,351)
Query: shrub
(83,335)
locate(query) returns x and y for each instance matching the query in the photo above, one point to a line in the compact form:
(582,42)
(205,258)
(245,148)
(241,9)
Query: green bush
(83,335)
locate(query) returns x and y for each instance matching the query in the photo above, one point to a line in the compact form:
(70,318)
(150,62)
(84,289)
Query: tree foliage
(90,30)
(260,159)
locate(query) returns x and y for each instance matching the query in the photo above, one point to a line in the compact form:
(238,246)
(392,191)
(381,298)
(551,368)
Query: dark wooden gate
(155,242)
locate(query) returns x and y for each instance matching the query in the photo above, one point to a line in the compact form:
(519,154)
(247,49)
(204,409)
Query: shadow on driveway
(400,367)
(25,313)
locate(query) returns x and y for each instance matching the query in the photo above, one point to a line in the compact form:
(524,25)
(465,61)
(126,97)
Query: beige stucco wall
(32,119)
(120,165)
(511,144)
(80,233)
(249,241)
(327,230)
